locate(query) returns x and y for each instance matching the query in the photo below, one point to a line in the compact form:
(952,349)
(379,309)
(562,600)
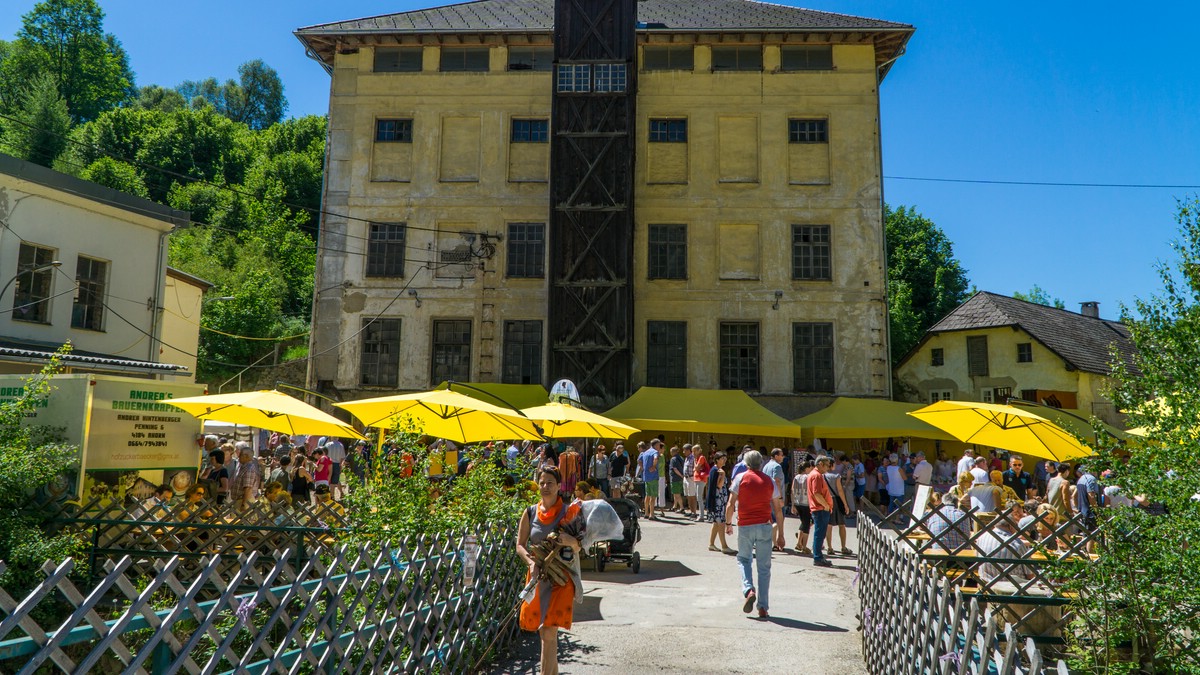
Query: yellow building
(992,348)
(83,263)
(755,258)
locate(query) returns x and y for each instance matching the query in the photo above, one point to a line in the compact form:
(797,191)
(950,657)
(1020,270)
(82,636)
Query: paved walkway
(683,614)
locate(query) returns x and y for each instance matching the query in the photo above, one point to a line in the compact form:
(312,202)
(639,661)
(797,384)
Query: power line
(1148,186)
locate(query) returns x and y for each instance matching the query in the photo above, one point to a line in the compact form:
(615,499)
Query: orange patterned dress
(552,605)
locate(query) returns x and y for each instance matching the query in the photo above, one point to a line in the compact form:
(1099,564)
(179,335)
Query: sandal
(846,551)
(713,548)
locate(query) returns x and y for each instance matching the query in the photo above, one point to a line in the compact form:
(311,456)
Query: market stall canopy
(559,420)
(515,396)
(266,409)
(713,411)
(1005,427)
(444,414)
(869,418)
(1074,420)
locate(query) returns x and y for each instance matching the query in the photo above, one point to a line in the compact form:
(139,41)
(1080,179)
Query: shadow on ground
(651,570)
(525,654)
(806,625)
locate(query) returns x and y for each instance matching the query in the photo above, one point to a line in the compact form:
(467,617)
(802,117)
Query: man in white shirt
(966,463)
(923,471)
(980,471)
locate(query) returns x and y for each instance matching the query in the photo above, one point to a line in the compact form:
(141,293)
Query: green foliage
(117,175)
(394,504)
(925,280)
(1038,295)
(32,459)
(154,97)
(255,99)
(39,132)
(1139,606)
(65,40)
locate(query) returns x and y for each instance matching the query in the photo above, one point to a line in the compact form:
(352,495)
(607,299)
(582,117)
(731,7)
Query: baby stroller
(621,549)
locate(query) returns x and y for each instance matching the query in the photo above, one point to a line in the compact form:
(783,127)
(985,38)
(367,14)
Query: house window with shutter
(977,356)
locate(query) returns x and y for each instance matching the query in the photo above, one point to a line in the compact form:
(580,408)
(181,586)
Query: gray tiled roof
(15,349)
(538,16)
(1083,342)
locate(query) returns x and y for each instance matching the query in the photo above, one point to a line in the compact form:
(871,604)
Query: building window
(31,298)
(451,350)
(91,278)
(812,357)
(574,78)
(737,58)
(941,395)
(668,131)
(739,356)
(531,58)
(526,258)
(811,256)
(522,352)
(393,131)
(1024,352)
(808,131)
(667,252)
(610,77)
(977,356)
(380,360)
(530,131)
(996,394)
(937,356)
(806,57)
(398,59)
(666,354)
(465,59)
(1029,395)
(385,250)
(668,58)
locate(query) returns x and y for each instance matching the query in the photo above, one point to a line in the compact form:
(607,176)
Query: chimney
(1090,309)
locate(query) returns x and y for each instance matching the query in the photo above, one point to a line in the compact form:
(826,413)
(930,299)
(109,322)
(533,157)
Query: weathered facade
(993,347)
(755,256)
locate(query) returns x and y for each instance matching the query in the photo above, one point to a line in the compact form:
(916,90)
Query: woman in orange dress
(551,607)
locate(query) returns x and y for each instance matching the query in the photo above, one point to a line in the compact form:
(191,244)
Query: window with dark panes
(811,254)
(451,351)
(977,356)
(737,58)
(808,131)
(31,295)
(531,58)
(1002,394)
(385,249)
(609,77)
(806,57)
(574,78)
(1029,395)
(530,131)
(91,279)
(667,254)
(812,357)
(379,363)
(673,57)
(739,356)
(398,59)
(666,354)
(937,356)
(522,352)
(526,256)
(393,131)
(668,131)
(1025,352)
(465,59)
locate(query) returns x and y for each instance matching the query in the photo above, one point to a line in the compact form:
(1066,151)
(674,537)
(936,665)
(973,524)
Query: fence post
(160,660)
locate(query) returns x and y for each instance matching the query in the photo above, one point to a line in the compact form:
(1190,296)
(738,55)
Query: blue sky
(1045,92)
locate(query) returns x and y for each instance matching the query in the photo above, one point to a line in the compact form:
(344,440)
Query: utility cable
(1148,186)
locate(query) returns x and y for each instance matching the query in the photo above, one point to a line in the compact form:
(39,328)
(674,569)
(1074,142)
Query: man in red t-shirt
(755,497)
(820,503)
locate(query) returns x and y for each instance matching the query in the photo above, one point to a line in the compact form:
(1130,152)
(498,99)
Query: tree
(38,132)
(1139,603)
(65,39)
(255,100)
(1038,295)
(154,97)
(117,175)
(925,280)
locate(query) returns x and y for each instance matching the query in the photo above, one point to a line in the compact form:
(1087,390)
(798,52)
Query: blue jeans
(755,540)
(820,526)
(602,485)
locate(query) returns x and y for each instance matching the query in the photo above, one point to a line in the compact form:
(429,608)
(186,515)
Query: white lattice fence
(915,620)
(406,608)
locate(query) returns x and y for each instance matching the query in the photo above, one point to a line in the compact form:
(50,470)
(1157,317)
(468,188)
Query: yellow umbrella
(267,409)
(1003,426)
(564,421)
(445,414)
